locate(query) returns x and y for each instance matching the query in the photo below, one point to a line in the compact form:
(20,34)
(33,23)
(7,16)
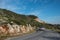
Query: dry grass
(3,36)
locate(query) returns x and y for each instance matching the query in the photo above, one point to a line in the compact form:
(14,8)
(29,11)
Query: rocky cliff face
(15,29)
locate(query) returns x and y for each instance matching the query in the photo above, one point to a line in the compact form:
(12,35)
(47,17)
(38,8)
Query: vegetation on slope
(8,16)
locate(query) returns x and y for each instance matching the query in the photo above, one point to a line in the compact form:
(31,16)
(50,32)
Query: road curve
(40,35)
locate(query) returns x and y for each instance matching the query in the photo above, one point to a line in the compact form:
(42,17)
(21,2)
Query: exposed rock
(15,29)
(37,19)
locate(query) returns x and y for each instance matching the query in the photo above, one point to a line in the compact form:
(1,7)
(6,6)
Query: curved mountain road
(40,35)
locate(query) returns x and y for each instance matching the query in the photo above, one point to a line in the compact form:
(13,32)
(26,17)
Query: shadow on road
(52,38)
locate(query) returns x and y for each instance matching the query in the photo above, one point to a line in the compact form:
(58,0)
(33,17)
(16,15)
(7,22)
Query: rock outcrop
(15,29)
(37,19)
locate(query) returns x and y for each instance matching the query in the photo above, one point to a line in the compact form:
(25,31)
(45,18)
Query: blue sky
(46,10)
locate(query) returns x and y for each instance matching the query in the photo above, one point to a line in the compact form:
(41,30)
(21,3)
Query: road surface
(40,35)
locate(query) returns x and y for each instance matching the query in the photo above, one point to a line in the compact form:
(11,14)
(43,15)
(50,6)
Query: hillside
(12,23)
(7,16)
(17,24)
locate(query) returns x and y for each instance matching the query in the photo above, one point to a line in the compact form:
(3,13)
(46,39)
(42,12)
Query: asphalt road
(40,35)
